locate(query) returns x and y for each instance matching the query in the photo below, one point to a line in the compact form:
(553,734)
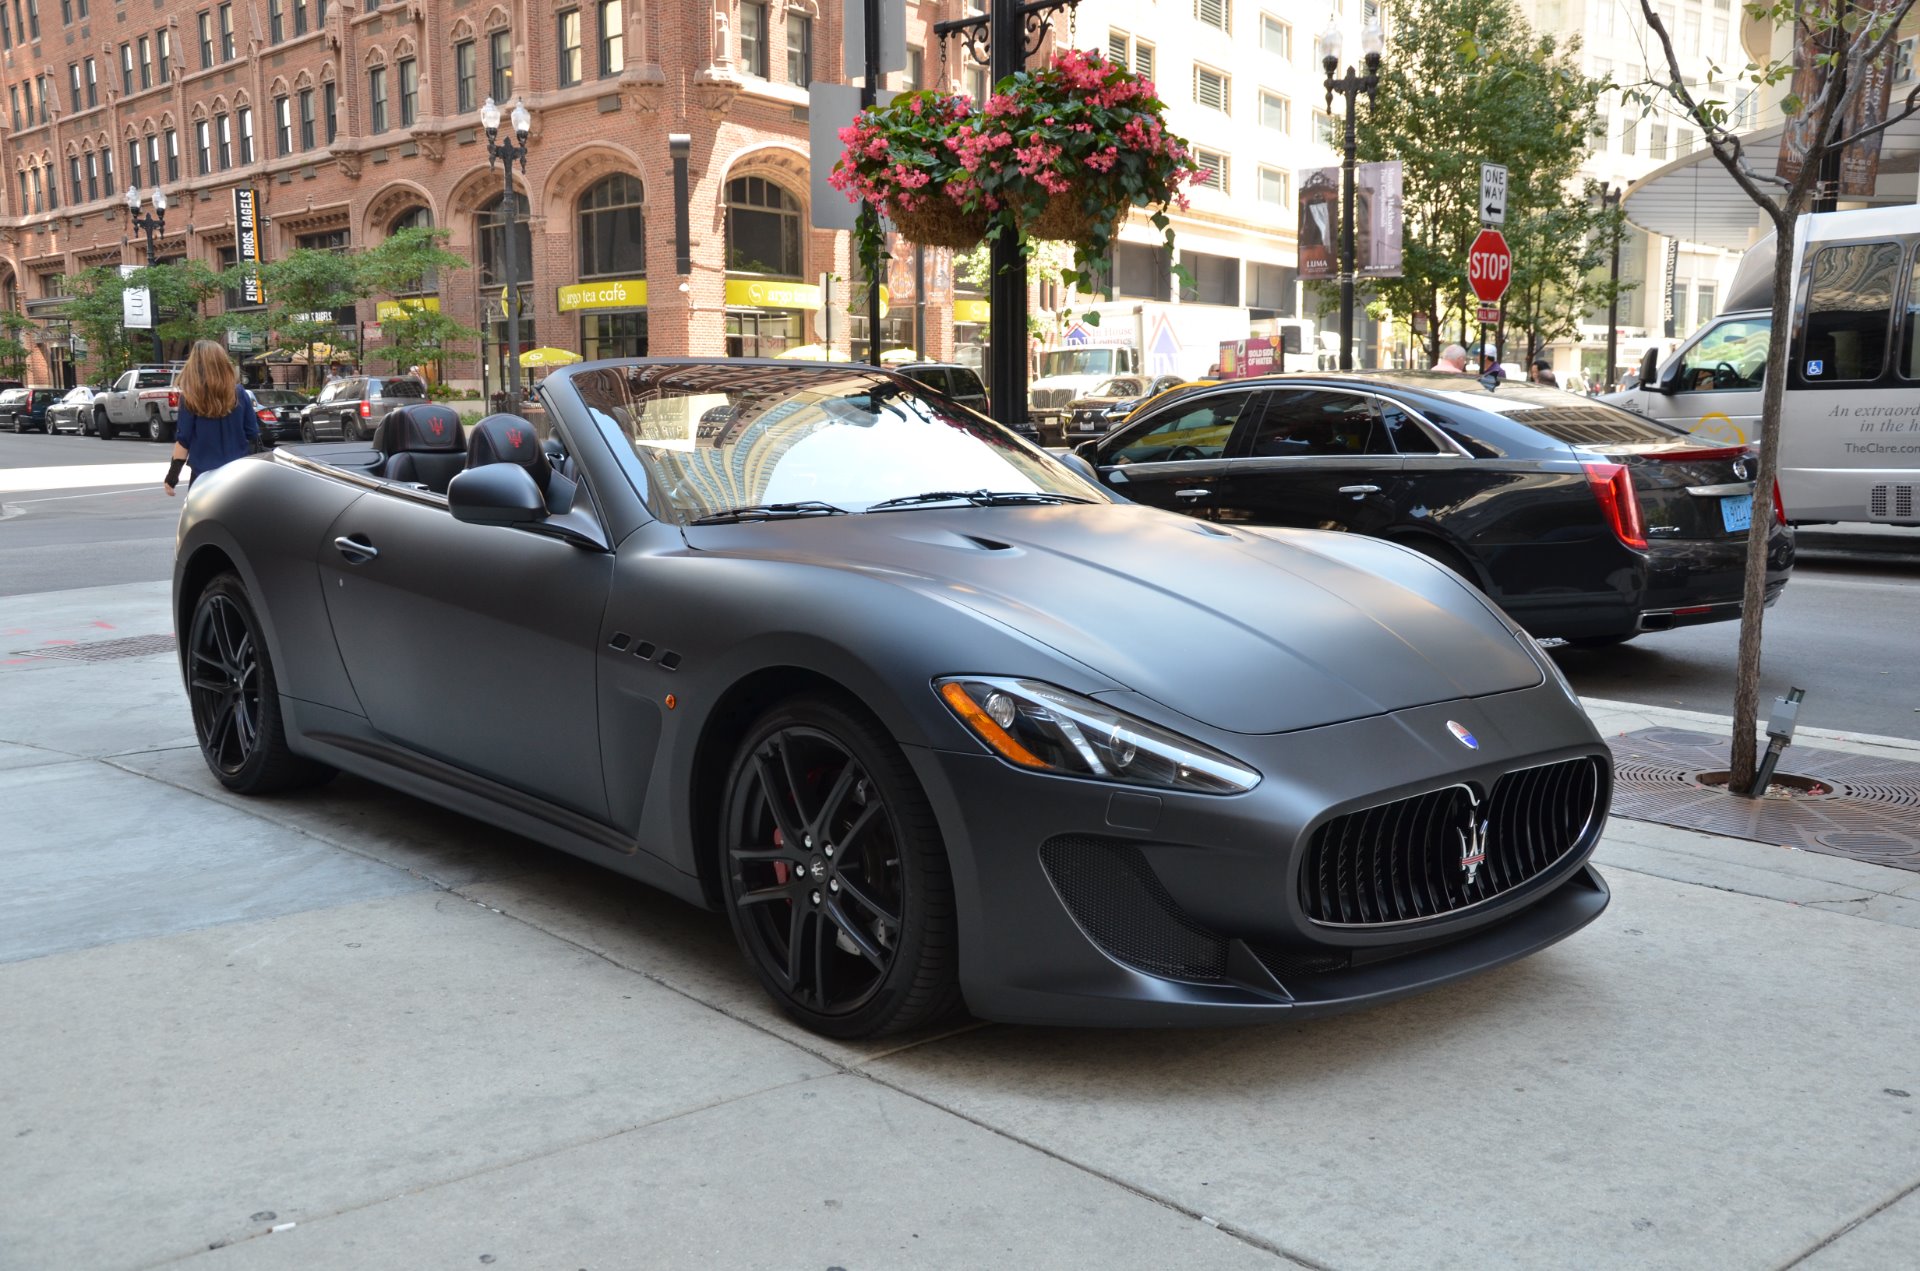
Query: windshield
(704,439)
(1076,362)
(1117,388)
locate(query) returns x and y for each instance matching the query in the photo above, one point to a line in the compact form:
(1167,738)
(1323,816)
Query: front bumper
(1214,879)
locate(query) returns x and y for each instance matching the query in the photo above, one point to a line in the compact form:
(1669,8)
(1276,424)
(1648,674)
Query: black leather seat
(511,439)
(421,444)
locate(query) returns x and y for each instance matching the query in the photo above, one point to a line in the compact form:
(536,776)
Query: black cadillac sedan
(1584,522)
(929,716)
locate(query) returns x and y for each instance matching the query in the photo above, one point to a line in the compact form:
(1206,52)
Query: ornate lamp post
(151,227)
(1349,86)
(505,151)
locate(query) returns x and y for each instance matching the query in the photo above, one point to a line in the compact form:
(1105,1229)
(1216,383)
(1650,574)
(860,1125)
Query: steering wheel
(1180,454)
(1726,375)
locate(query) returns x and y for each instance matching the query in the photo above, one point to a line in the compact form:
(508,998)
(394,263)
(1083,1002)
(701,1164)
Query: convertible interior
(425,447)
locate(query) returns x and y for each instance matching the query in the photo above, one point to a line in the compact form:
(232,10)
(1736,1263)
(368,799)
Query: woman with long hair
(216,423)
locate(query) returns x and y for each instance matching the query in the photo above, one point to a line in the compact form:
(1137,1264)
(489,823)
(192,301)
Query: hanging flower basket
(1087,141)
(898,159)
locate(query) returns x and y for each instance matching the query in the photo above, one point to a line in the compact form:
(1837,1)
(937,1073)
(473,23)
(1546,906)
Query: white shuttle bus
(1850,426)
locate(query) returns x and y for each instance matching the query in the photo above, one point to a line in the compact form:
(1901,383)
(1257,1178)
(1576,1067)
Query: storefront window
(418,218)
(613,234)
(613,335)
(763,229)
(763,334)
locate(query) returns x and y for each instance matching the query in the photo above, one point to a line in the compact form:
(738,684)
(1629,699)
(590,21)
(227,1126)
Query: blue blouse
(211,443)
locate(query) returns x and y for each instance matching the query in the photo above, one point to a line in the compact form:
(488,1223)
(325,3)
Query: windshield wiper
(769,512)
(979,498)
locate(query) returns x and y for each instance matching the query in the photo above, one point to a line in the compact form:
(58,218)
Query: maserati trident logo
(1461,735)
(1473,843)
(513,437)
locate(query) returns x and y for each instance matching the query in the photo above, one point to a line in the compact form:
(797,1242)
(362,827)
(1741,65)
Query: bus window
(1849,312)
(1910,345)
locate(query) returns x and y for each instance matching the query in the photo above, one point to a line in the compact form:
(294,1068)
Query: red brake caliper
(781,870)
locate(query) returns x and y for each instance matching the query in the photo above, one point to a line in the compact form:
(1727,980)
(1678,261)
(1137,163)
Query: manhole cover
(102,650)
(1873,813)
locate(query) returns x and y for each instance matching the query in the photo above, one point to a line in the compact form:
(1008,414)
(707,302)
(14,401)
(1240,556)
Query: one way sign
(1493,194)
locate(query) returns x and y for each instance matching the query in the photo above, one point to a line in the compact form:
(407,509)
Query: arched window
(417,218)
(492,224)
(613,236)
(763,229)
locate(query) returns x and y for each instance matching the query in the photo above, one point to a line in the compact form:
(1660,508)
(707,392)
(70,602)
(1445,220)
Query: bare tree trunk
(1746,692)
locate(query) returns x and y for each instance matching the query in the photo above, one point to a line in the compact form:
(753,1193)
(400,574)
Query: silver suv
(349,409)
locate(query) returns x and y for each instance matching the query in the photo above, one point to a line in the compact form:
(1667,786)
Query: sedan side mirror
(496,494)
(1087,450)
(1076,463)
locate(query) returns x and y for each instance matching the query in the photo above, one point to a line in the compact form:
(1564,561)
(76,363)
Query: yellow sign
(611,293)
(393,310)
(972,311)
(759,294)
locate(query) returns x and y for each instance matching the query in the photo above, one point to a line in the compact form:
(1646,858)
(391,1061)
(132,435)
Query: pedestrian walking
(1452,358)
(216,423)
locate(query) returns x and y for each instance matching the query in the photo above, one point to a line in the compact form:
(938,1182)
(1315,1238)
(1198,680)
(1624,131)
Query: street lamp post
(1610,200)
(505,151)
(151,227)
(1349,86)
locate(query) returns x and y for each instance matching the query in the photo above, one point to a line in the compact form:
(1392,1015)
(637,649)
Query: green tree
(179,291)
(303,289)
(13,350)
(1465,81)
(405,265)
(419,336)
(94,310)
(1826,112)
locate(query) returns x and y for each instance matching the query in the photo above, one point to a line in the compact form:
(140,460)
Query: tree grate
(102,650)
(1872,813)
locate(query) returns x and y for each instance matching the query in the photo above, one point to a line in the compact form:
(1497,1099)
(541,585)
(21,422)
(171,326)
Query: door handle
(357,551)
(1359,491)
(1192,492)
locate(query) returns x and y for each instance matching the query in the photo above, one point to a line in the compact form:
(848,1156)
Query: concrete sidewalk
(347,1029)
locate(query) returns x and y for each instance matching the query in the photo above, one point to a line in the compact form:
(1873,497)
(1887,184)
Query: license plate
(1736,511)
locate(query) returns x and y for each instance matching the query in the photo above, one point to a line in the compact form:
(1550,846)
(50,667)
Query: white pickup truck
(146,398)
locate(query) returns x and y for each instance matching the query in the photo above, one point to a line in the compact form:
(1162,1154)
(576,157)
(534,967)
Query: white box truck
(1850,423)
(1144,337)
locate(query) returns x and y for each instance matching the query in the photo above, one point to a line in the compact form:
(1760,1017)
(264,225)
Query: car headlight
(1048,729)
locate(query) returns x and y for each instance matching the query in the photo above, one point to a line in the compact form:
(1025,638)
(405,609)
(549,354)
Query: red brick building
(353,119)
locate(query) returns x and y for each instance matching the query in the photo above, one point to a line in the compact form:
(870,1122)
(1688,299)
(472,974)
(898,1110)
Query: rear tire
(235,697)
(1441,554)
(158,429)
(834,875)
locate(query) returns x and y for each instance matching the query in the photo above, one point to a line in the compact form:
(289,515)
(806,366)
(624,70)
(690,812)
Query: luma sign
(610,293)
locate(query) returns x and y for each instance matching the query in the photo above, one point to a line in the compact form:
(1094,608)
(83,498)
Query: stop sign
(1489,265)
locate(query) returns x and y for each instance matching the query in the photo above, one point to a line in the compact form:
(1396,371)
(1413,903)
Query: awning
(1695,200)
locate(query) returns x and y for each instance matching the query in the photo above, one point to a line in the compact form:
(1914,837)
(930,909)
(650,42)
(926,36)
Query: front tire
(835,877)
(235,697)
(102,426)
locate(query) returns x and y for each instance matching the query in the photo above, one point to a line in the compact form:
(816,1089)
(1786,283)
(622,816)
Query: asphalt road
(1845,630)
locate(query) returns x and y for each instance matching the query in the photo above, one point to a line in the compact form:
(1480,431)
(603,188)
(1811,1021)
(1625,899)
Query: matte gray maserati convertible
(932,717)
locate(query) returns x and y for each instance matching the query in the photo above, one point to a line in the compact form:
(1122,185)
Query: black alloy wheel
(235,699)
(836,880)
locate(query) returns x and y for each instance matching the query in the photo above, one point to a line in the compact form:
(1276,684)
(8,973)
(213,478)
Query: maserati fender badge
(1461,735)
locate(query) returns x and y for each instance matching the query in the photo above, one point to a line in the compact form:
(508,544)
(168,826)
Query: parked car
(1096,414)
(281,412)
(1582,521)
(928,715)
(961,383)
(25,409)
(73,412)
(146,398)
(350,408)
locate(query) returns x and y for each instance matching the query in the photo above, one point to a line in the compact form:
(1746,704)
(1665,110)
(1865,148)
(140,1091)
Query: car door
(1316,458)
(472,644)
(1173,457)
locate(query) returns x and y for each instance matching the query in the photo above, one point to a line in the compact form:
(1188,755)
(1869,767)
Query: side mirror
(1086,451)
(1650,371)
(496,494)
(1079,466)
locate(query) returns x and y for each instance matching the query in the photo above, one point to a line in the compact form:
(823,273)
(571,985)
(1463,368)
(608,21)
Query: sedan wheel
(836,881)
(236,705)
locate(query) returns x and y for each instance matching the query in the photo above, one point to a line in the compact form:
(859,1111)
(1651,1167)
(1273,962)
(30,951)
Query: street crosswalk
(82,476)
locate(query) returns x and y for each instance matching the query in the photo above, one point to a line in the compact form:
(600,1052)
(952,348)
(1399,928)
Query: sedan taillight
(267,416)
(1613,486)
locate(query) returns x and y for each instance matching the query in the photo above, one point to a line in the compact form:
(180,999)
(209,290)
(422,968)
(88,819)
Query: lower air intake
(1111,891)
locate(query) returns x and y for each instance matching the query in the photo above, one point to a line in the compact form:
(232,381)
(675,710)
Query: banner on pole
(246,242)
(1378,218)
(136,304)
(1320,223)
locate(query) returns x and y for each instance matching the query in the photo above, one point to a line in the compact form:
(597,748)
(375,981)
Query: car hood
(1248,631)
